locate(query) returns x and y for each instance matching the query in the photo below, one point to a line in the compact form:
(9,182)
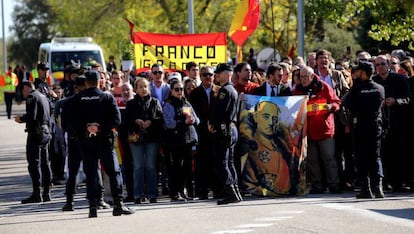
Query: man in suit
(202,98)
(273,87)
(159,89)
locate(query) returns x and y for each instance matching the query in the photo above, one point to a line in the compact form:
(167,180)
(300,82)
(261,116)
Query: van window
(85,58)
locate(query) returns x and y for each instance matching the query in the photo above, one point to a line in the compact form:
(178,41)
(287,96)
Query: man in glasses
(395,64)
(159,89)
(273,87)
(395,121)
(202,98)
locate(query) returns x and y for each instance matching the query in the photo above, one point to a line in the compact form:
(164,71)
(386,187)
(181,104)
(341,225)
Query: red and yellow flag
(245,21)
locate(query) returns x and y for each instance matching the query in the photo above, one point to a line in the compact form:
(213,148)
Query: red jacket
(321,123)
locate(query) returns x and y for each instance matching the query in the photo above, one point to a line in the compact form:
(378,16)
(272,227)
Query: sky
(8,9)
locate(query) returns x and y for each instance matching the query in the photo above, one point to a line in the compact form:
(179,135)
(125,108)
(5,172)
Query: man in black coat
(396,120)
(202,99)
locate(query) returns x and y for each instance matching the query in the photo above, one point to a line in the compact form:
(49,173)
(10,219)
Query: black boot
(46,194)
(34,198)
(237,190)
(69,204)
(102,204)
(230,196)
(365,189)
(120,208)
(378,190)
(93,209)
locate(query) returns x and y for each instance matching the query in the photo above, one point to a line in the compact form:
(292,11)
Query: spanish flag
(245,21)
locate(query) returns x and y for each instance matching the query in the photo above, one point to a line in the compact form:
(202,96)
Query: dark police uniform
(75,152)
(364,102)
(37,119)
(98,108)
(223,119)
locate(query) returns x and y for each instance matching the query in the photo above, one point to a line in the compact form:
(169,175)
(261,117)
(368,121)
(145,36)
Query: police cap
(223,67)
(368,67)
(42,66)
(92,75)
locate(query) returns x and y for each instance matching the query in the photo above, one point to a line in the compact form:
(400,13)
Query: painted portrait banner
(272,145)
(174,51)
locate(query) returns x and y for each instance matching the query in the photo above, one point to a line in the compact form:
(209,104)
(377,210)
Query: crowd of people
(179,129)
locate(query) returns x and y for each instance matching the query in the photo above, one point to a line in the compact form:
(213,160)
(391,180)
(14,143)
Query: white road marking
(371,214)
(255,225)
(262,222)
(270,219)
(235,231)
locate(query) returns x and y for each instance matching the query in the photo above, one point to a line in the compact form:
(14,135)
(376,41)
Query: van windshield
(84,58)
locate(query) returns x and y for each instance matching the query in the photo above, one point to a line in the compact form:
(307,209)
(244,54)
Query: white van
(80,50)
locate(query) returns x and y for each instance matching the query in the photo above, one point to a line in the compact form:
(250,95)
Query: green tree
(33,24)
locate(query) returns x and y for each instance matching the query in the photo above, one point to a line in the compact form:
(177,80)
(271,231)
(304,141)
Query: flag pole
(273,31)
(4,38)
(301,29)
(239,54)
(190,17)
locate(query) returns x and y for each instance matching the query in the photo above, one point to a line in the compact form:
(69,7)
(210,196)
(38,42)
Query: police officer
(364,102)
(42,82)
(75,151)
(97,117)
(37,119)
(222,125)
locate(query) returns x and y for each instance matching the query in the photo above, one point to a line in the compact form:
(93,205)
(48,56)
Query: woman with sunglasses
(181,136)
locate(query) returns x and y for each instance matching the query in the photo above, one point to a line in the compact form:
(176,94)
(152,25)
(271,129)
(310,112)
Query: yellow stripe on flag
(239,16)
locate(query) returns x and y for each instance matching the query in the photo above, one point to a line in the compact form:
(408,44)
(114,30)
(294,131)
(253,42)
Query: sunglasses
(178,89)
(157,72)
(207,74)
(380,64)
(394,63)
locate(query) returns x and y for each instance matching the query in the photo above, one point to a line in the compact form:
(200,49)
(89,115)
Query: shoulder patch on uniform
(221,95)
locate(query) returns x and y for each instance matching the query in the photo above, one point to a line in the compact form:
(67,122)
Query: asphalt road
(328,213)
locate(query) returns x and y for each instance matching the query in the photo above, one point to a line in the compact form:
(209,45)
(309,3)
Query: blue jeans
(144,156)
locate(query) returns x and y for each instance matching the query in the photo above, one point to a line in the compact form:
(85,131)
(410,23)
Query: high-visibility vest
(11,82)
(34,73)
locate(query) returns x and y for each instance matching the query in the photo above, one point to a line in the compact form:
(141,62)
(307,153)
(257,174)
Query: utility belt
(225,128)
(367,118)
(39,130)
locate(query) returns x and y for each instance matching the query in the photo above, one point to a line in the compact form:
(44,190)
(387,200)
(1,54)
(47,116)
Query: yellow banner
(175,51)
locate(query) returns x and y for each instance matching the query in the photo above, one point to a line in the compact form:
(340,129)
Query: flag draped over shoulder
(245,21)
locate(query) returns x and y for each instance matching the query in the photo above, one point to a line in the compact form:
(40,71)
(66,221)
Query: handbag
(134,137)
